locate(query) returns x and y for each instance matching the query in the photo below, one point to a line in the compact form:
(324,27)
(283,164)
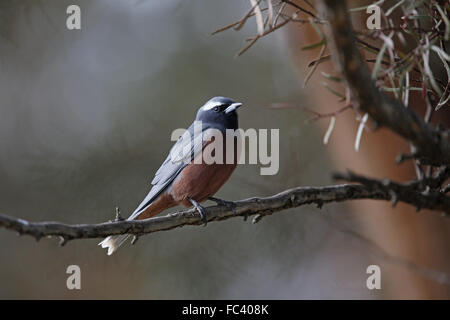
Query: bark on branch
(260,207)
(433,145)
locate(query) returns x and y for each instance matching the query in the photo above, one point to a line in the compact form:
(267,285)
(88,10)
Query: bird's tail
(113,242)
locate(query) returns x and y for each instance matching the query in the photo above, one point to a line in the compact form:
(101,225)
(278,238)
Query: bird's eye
(216,109)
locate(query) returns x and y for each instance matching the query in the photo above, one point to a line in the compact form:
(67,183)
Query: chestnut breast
(201,180)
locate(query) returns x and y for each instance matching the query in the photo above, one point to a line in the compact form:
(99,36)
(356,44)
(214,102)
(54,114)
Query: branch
(433,145)
(260,207)
(425,193)
(300,8)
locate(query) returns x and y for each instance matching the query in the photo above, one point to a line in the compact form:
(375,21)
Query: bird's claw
(202,213)
(200,210)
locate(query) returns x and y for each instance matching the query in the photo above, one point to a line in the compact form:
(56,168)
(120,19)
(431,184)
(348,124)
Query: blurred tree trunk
(420,238)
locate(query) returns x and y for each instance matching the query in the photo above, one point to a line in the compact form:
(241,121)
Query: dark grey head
(219,112)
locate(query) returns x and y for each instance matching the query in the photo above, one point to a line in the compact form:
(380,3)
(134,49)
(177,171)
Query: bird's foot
(200,210)
(229,204)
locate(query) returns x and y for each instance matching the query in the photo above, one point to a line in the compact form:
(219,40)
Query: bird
(182,179)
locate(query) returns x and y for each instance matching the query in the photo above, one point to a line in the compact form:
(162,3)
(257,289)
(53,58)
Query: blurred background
(85,121)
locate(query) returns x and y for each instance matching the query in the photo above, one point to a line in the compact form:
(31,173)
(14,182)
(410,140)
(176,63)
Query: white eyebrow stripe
(211,104)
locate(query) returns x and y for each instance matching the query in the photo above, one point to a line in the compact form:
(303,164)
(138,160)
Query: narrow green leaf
(377,65)
(332,90)
(330,77)
(446,21)
(390,10)
(315,45)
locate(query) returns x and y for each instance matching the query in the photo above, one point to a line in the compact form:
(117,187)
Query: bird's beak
(233,107)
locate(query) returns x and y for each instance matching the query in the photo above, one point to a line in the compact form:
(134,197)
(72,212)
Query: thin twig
(433,144)
(291,198)
(300,8)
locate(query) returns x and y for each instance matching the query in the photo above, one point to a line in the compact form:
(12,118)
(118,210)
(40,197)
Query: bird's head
(219,112)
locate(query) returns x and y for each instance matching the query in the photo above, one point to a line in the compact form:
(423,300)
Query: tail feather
(113,242)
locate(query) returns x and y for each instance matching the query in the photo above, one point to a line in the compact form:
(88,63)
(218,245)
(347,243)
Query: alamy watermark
(213,146)
(374,20)
(374,280)
(74,280)
(73,21)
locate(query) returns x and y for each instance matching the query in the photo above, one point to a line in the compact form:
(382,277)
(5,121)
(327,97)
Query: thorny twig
(272,26)
(433,146)
(411,193)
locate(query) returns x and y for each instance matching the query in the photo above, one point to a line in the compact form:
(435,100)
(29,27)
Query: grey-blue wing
(168,173)
(179,157)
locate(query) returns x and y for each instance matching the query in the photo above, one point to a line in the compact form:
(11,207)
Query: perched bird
(182,179)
